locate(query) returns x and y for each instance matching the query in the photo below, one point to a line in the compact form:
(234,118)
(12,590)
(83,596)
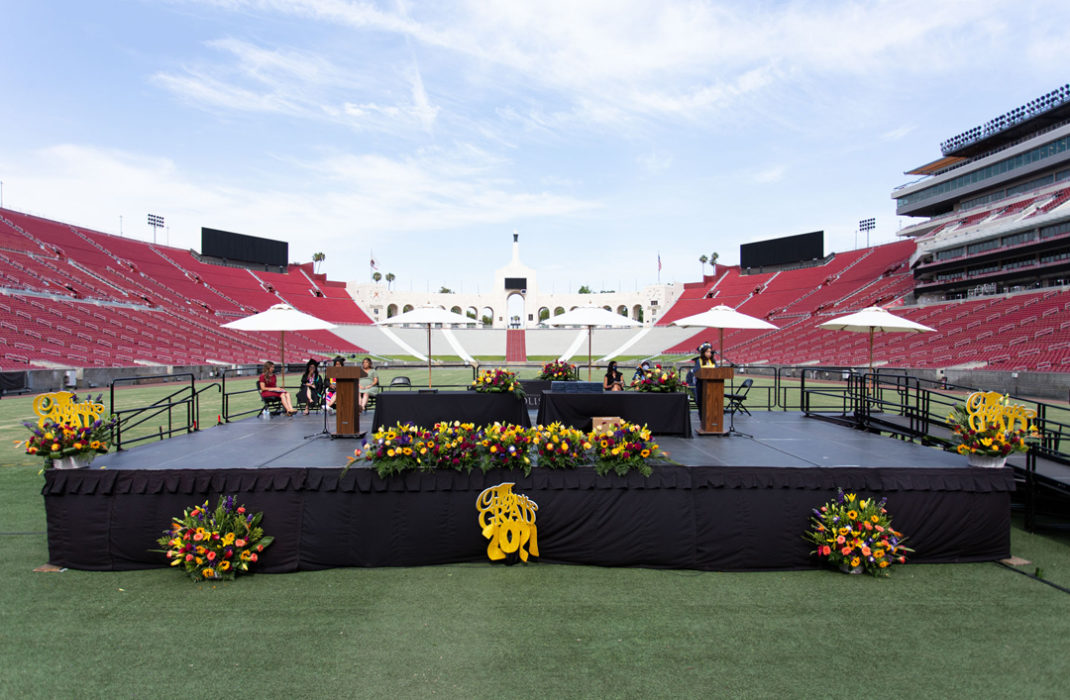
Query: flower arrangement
(985,426)
(463,446)
(560,447)
(659,379)
(498,381)
(856,535)
(507,447)
(53,440)
(559,371)
(623,448)
(215,544)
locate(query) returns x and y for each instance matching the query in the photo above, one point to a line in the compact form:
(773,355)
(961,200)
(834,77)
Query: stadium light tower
(867,225)
(155,222)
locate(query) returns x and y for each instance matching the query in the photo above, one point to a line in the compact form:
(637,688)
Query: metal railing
(918,409)
(181,407)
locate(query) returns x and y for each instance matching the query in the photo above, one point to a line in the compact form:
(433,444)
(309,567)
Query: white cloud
(897,134)
(305,84)
(655,162)
(769,175)
(343,201)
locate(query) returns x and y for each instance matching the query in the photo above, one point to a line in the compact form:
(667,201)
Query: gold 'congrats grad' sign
(60,408)
(989,409)
(508,521)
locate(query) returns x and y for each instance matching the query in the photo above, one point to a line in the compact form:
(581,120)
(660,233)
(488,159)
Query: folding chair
(736,399)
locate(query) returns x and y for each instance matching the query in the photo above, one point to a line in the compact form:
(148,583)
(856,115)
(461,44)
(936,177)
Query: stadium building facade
(998,206)
(515,299)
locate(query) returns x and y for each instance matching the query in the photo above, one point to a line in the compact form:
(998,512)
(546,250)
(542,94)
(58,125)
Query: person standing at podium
(705,359)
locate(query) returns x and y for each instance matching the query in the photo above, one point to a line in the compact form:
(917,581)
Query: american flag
(659,262)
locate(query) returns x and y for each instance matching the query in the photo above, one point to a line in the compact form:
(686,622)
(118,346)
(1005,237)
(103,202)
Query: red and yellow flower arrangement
(856,535)
(215,544)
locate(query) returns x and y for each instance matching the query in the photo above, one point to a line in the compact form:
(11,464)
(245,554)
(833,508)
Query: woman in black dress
(614,380)
(311,386)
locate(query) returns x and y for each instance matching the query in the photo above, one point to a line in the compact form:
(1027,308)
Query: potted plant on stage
(856,535)
(498,381)
(559,371)
(988,428)
(68,434)
(658,379)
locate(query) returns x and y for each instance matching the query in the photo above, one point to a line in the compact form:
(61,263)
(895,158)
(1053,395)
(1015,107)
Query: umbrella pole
(282,351)
(429,356)
(871,349)
(590,330)
(722,345)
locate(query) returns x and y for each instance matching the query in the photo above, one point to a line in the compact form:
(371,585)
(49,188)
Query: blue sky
(604,132)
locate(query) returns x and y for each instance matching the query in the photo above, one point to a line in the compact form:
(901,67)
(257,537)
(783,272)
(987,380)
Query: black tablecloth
(533,389)
(664,414)
(712,518)
(466,406)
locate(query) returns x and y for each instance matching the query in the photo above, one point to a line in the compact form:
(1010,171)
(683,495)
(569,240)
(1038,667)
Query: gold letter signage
(60,408)
(508,521)
(990,408)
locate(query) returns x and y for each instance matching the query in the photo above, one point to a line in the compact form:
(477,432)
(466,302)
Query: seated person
(311,386)
(614,380)
(369,383)
(640,372)
(332,384)
(265,383)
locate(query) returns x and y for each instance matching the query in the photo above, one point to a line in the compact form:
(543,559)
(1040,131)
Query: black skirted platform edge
(709,518)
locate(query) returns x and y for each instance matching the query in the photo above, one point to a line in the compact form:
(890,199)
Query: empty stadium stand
(71,297)
(1025,331)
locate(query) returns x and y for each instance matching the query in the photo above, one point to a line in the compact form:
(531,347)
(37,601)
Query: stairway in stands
(515,345)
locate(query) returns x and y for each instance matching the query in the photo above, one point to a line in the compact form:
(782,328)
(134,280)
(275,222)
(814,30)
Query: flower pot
(72,462)
(986,461)
(848,569)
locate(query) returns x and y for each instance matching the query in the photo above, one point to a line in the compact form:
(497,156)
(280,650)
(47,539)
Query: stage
(728,503)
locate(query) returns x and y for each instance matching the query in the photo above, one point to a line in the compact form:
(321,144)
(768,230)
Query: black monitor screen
(516,283)
(782,251)
(239,247)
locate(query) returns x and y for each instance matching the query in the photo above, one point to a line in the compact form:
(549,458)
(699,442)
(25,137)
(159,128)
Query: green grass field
(540,630)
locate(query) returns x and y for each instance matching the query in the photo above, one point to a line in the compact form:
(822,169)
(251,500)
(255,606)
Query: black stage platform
(731,503)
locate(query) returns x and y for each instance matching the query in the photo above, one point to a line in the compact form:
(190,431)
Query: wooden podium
(711,393)
(346,406)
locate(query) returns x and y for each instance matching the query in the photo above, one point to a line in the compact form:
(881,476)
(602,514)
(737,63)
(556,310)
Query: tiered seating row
(81,298)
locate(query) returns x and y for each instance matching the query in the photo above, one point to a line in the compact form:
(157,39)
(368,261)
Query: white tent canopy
(281,318)
(428,316)
(591,316)
(874,319)
(722,317)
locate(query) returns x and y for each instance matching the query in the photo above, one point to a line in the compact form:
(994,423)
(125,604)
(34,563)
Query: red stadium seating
(74,297)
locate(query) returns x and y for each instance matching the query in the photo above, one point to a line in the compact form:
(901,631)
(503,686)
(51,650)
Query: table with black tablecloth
(426,409)
(664,413)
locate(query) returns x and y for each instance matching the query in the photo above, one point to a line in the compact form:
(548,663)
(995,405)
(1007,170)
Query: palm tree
(703,259)
(390,279)
(713,261)
(377,276)
(317,258)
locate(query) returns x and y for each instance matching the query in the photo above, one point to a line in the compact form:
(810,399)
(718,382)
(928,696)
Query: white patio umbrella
(427,316)
(874,319)
(722,317)
(591,316)
(281,318)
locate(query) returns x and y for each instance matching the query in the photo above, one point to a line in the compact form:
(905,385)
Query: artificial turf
(537,630)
